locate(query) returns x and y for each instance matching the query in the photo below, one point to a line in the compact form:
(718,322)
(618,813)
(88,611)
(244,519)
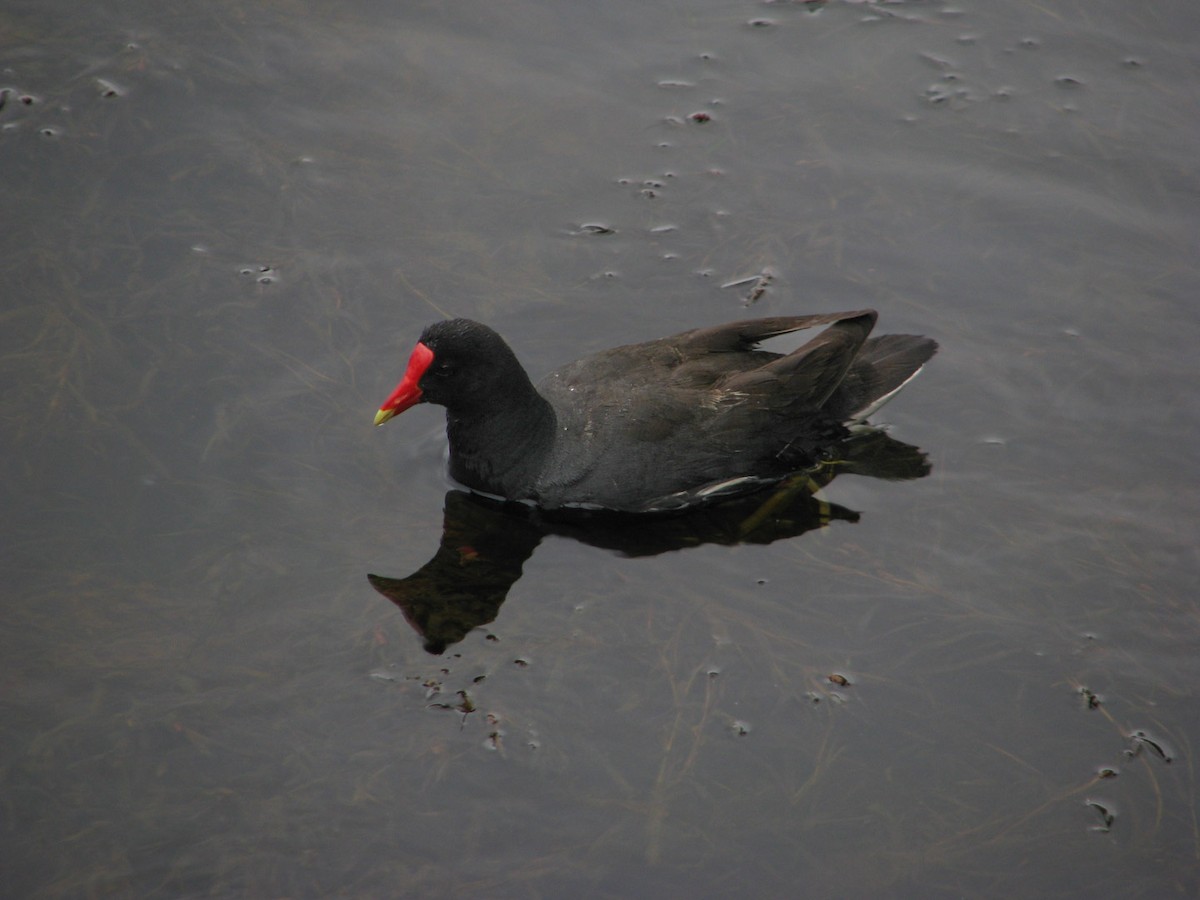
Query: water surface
(225,227)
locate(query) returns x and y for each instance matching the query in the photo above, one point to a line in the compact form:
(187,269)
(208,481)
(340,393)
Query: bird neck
(501,449)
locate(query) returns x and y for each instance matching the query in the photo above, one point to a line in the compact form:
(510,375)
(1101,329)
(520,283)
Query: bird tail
(881,369)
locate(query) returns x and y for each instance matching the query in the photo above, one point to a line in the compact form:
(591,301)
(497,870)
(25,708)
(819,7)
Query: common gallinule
(655,426)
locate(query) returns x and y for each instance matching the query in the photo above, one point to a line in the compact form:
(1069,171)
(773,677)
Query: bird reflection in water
(485,542)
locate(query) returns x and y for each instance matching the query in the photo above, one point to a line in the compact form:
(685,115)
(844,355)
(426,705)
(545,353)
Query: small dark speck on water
(261,274)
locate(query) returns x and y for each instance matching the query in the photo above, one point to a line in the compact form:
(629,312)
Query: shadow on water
(486,543)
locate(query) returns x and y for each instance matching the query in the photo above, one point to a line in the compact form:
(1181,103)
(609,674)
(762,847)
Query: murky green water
(225,226)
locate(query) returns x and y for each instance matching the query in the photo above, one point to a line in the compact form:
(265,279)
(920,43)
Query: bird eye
(444,370)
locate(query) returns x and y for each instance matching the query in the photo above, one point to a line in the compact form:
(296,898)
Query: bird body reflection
(486,542)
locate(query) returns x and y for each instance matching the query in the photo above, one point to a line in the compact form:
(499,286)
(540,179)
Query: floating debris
(593,228)
(108,89)
(1138,740)
(758,285)
(1107,816)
